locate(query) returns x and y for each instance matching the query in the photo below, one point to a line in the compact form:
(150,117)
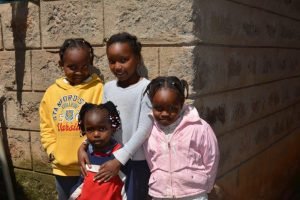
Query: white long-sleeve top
(134,108)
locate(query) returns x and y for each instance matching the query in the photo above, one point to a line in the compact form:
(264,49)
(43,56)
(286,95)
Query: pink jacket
(187,165)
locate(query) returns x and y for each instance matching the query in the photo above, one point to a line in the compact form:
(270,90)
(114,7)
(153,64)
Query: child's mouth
(119,74)
(164,122)
(77,78)
(97,142)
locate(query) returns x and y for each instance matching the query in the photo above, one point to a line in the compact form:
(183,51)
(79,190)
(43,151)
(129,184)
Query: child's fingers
(99,176)
(83,171)
(87,162)
(103,176)
(84,163)
(107,171)
(105,179)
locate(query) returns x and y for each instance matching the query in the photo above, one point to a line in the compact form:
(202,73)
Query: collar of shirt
(105,153)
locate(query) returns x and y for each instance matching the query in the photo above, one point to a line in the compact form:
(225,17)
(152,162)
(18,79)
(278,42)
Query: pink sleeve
(210,153)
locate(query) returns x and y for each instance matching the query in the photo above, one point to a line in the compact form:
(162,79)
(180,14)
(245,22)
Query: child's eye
(84,66)
(102,129)
(158,108)
(111,61)
(72,67)
(173,109)
(90,130)
(123,60)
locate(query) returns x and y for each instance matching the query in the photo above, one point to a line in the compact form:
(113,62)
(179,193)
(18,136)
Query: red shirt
(91,190)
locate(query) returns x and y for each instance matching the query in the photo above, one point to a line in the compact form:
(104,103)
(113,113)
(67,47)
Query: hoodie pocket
(200,178)
(65,152)
(191,179)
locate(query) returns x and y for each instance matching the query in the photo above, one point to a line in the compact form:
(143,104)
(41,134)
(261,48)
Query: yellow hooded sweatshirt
(59,109)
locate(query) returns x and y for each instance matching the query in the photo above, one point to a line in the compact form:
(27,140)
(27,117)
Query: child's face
(166,106)
(98,128)
(123,62)
(76,65)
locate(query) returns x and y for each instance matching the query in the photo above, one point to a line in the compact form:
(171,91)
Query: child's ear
(61,63)
(81,133)
(91,60)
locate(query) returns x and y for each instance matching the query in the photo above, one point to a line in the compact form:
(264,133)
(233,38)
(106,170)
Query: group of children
(134,139)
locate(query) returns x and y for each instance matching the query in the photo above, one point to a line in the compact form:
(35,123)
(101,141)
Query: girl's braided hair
(76,43)
(172,82)
(113,114)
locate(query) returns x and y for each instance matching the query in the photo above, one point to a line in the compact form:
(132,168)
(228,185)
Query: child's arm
(210,154)
(83,158)
(141,134)
(48,136)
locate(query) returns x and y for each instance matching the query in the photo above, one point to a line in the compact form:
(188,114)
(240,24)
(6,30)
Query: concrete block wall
(240,58)
(247,86)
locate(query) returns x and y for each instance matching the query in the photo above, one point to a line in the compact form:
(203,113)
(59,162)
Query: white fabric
(134,108)
(196,197)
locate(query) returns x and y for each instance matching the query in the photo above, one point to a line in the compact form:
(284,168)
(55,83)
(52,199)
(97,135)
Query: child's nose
(97,133)
(164,114)
(118,65)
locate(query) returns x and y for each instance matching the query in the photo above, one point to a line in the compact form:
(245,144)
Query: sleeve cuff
(122,155)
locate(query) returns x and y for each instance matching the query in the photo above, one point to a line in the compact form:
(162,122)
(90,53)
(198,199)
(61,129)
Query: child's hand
(83,159)
(108,170)
(51,158)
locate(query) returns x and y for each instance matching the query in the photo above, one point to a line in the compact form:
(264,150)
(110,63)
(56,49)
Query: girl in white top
(124,56)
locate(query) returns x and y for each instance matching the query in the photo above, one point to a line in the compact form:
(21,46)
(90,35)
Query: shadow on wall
(204,26)
(19,29)
(211,115)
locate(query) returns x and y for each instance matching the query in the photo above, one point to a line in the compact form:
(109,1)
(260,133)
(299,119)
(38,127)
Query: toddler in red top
(98,123)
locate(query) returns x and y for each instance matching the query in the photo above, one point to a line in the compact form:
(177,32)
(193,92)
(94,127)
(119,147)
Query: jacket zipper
(170,161)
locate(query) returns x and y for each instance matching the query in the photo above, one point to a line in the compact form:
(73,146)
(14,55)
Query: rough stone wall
(240,57)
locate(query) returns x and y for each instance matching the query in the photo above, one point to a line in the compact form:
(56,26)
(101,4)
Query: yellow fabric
(59,109)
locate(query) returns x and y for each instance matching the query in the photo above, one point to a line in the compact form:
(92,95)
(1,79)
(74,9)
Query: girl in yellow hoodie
(59,109)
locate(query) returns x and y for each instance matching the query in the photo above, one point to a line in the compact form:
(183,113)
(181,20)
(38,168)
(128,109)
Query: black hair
(172,82)
(125,37)
(113,114)
(76,43)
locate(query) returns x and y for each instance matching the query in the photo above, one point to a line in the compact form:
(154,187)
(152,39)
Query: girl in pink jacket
(182,150)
